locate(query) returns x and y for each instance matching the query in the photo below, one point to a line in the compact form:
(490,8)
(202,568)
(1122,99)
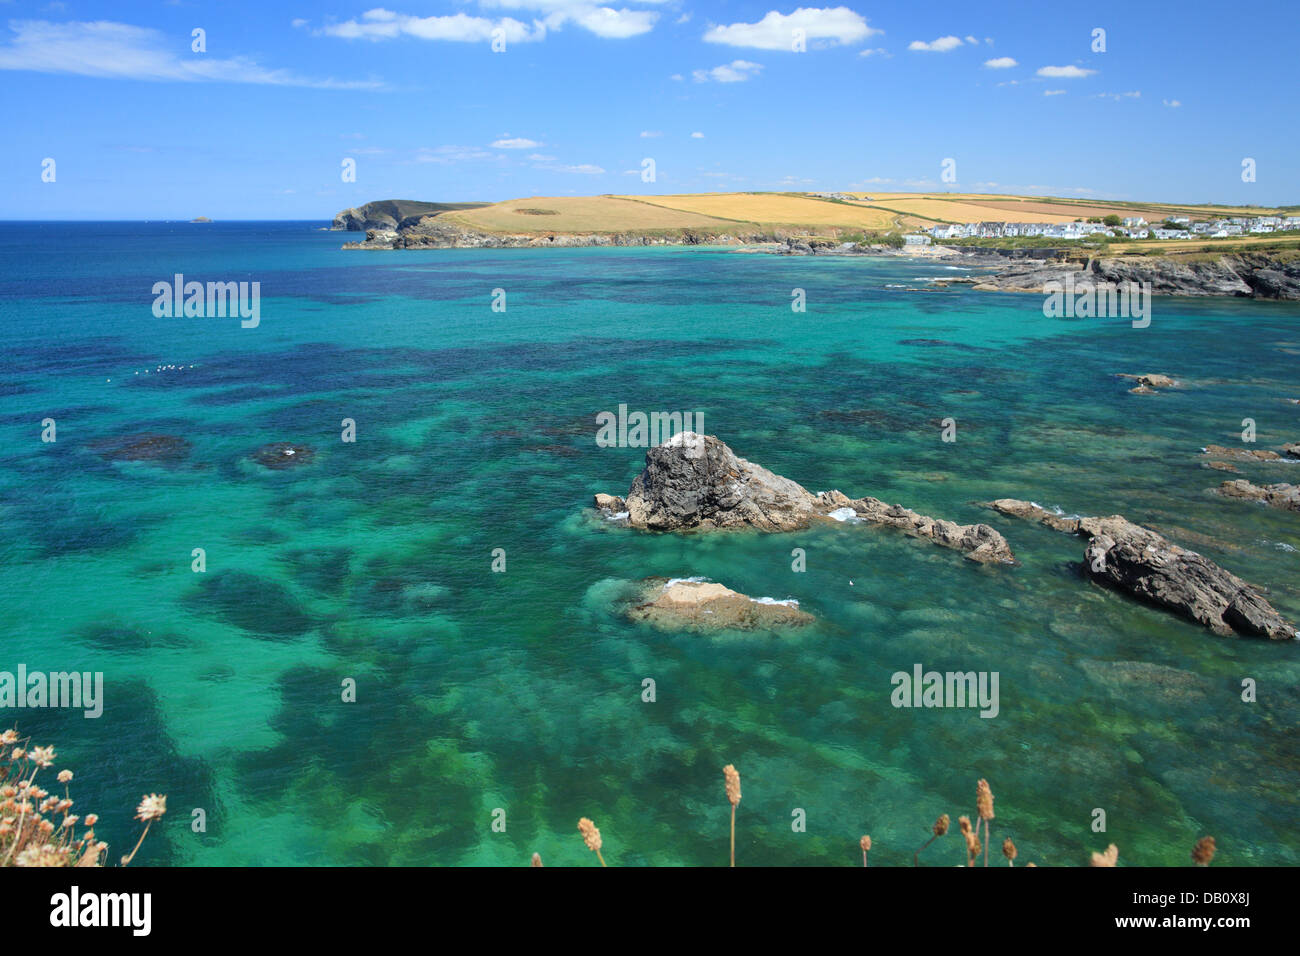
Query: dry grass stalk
(1204,851)
(591,837)
(732,777)
(939,829)
(1109,858)
(984,807)
(865,843)
(1009,851)
(537,860)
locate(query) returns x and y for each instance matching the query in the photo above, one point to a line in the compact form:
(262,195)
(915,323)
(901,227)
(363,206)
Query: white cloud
(827,26)
(104,48)
(697,136)
(737,71)
(677,77)
(607,22)
(1133,95)
(539,158)
(1000,63)
(878,51)
(445,155)
(1053,92)
(515,143)
(941,45)
(972,41)
(1172,103)
(381,24)
(1065,72)
(650,134)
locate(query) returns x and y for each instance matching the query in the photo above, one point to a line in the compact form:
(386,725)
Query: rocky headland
(1258,275)
(1148,566)
(697,483)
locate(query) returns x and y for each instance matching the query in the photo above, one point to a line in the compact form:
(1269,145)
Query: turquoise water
(522,690)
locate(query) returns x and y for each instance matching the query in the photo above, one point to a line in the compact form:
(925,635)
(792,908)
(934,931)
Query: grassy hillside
(583,214)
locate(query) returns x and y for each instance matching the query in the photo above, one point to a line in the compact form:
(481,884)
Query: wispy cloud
(828,26)
(606,22)
(650,134)
(104,48)
(1000,63)
(1173,104)
(1065,72)
(1053,92)
(737,71)
(516,142)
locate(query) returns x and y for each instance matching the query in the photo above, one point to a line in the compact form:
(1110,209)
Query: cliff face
(1261,275)
(393,214)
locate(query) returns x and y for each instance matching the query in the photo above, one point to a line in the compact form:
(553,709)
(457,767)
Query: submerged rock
(282,454)
(1284,496)
(1147,565)
(1240,454)
(707,606)
(167,449)
(696,483)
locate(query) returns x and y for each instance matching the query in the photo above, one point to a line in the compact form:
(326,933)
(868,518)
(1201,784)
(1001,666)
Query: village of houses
(1134,227)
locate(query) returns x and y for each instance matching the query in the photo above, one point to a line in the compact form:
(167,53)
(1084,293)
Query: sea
(408,647)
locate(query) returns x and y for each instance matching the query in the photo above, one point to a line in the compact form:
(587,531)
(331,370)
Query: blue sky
(257,126)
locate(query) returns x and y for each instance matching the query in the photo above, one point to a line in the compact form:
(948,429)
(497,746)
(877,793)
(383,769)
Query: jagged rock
(1291,450)
(706,606)
(1284,496)
(611,503)
(1027,509)
(1240,454)
(1262,275)
(1147,565)
(696,483)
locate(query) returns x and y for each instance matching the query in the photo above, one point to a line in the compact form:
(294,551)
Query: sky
(147,109)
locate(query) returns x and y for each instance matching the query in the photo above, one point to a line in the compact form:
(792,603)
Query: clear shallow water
(522,690)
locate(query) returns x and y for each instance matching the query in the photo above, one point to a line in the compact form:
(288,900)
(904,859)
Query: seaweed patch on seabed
(257,605)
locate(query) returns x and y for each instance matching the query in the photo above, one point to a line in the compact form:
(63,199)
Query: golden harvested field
(580,214)
(1202,245)
(946,210)
(778,209)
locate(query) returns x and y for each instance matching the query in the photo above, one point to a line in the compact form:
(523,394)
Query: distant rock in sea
(1240,454)
(696,483)
(164,449)
(282,454)
(1284,496)
(697,605)
(201,219)
(1145,564)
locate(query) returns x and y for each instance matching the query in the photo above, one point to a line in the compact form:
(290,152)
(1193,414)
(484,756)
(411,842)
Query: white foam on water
(844,514)
(692,580)
(788,602)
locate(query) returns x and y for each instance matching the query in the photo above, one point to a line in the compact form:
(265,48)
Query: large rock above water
(1284,496)
(1147,565)
(696,483)
(708,606)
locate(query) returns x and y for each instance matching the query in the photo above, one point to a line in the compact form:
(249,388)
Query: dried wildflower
(65,776)
(1009,851)
(43,854)
(537,860)
(43,756)
(151,807)
(591,837)
(1108,858)
(964,824)
(865,843)
(733,784)
(1204,851)
(941,825)
(984,800)
(92,819)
